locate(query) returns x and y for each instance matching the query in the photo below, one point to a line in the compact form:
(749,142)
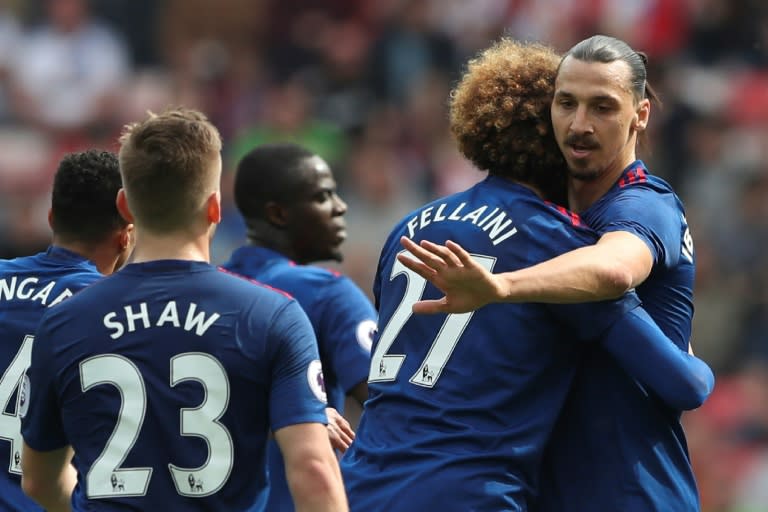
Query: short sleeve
(651,216)
(348,324)
(297,391)
(41,424)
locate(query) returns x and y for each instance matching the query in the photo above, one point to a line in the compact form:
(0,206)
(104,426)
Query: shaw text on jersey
(135,317)
(495,224)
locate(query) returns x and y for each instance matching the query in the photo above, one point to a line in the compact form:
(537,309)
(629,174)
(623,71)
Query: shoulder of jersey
(571,217)
(639,178)
(311,273)
(246,279)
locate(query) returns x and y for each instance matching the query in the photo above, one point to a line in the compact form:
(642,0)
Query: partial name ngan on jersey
(30,288)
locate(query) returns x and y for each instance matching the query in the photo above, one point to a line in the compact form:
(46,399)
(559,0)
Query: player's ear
(213,208)
(50,217)
(122,206)
(276,214)
(642,113)
(125,238)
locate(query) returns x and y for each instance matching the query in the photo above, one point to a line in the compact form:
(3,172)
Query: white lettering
(67,293)
(142,315)
(474,214)
(439,213)
(198,322)
(169,314)
(7,291)
(455,213)
(21,293)
(117,326)
(480,224)
(412,226)
(42,295)
(425,213)
(497,241)
(497,225)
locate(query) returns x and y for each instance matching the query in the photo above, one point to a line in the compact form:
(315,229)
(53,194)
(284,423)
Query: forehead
(315,172)
(589,79)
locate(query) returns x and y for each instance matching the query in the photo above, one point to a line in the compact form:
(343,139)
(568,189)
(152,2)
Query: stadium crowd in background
(363,84)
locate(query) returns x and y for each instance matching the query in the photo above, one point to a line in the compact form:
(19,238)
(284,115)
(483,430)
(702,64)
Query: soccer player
(165,377)
(287,196)
(461,405)
(616,447)
(90,238)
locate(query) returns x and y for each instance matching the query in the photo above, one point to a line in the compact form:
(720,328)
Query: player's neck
(171,246)
(260,235)
(583,194)
(101,255)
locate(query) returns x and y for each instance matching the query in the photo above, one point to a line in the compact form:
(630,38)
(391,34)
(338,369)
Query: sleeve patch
(316,380)
(365,331)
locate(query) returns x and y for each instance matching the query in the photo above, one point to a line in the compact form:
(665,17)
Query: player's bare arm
(48,477)
(311,468)
(618,262)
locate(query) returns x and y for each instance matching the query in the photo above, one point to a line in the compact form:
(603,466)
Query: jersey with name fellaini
(461,405)
(617,446)
(344,321)
(166,378)
(28,287)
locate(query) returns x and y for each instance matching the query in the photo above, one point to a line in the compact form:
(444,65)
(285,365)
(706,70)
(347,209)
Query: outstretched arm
(618,262)
(680,379)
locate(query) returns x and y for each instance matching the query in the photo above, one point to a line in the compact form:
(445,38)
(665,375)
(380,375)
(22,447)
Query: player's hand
(339,430)
(467,285)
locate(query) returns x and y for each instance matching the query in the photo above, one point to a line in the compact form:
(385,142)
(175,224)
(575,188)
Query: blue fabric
(194,365)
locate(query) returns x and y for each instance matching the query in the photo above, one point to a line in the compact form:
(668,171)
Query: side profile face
(316,217)
(596,117)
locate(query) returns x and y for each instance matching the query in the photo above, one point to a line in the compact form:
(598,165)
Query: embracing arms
(618,262)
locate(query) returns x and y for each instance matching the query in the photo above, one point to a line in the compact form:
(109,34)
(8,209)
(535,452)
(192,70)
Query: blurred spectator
(10,32)
(67,72)
(408,50)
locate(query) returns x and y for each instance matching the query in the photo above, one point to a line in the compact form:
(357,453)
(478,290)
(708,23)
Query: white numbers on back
(10,424)
(106,477)
(202,421)
(386,366)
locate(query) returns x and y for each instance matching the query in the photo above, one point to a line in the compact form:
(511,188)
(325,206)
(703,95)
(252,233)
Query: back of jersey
(28,286)
(461,405)
(169,375)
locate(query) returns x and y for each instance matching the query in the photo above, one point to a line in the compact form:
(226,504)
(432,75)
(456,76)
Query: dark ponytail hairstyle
(608,49)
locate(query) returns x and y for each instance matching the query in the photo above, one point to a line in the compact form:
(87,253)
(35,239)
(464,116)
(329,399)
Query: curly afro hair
(500,115)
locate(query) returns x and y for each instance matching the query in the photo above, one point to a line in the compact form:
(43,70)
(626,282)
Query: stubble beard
(586,174)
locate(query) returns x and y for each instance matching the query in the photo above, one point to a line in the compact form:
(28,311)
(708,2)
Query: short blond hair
(166,162)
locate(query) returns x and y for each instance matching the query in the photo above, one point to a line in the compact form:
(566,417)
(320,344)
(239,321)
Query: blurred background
(364,83)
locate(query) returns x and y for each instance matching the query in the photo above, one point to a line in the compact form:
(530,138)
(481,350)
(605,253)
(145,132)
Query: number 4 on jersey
(385,366)
(10,423)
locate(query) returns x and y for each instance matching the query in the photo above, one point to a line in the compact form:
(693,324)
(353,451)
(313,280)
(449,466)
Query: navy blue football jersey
(617,446)
(343,319)
(28,287)
(461,405)
(166,378)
